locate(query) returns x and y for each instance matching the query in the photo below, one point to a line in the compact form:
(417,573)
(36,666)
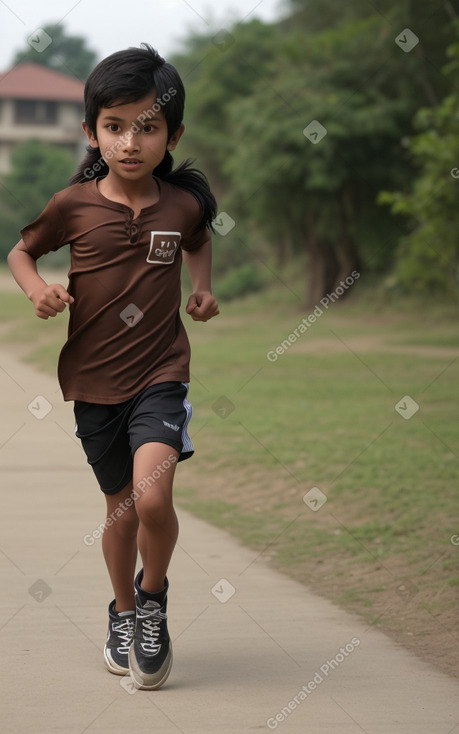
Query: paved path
(270,656)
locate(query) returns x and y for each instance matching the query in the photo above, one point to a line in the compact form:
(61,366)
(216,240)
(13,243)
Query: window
(35,112)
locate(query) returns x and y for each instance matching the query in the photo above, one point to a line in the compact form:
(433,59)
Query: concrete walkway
(254,651)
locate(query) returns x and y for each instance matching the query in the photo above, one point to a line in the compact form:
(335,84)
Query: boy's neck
(134,194)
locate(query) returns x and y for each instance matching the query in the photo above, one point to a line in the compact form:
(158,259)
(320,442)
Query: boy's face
(133,137)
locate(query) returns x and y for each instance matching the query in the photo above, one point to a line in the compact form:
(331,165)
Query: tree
(38,171)
(67,54)
(218,70)
(428,256)
(339,64)
(319,196)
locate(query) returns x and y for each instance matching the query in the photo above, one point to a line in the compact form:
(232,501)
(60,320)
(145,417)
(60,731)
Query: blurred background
(377,193)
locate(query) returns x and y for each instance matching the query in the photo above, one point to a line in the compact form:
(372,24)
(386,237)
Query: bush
(239,282)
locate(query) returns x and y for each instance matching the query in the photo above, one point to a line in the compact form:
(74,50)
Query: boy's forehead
(130,111)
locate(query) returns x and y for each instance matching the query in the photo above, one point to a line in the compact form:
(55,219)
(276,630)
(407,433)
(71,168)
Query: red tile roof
(33,81)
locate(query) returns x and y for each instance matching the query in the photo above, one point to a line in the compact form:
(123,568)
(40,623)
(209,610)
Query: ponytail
(188,178)
(193,181)
(92,166)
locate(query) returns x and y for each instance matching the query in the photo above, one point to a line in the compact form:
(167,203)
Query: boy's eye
(148,128)
(113,127)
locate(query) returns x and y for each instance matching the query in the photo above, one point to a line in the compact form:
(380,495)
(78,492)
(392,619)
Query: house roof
(34,81)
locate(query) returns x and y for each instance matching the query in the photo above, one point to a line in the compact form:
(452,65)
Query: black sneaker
(150,654)
(120,634)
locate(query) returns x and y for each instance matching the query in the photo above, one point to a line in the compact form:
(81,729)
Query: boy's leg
(119,544)
(158,525)
(150,655)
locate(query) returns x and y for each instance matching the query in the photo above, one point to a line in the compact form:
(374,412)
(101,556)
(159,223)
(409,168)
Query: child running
(129,218)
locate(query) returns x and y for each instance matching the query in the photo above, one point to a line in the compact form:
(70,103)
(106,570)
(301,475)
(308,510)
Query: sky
(110,26)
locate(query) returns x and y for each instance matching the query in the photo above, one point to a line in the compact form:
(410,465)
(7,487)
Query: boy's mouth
(130,164)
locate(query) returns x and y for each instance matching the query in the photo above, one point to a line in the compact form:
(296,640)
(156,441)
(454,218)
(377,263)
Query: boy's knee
(124,520)
(152,506)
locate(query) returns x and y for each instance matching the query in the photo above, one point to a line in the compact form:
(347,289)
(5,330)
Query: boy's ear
(90,135)
(173,140)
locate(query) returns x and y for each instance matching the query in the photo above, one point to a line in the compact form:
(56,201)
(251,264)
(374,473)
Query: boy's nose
(131,142)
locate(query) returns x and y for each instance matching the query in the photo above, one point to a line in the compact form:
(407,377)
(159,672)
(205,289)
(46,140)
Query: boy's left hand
(202,306)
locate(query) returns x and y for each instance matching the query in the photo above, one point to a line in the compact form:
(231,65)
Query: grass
(42,339)
(323,415)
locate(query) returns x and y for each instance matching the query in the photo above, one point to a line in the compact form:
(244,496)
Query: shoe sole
(112,666)
(147,682)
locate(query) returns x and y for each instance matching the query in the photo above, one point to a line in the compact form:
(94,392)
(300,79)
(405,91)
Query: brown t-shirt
(125,331)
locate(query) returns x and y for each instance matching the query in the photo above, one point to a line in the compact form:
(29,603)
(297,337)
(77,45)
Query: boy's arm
(201,305)
(48,300)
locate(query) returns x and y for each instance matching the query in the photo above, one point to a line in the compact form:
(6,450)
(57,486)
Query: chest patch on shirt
(163,247)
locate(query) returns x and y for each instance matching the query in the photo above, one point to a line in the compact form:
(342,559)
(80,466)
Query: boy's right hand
(51,300)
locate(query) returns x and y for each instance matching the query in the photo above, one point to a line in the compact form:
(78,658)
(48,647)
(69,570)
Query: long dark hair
(128,76)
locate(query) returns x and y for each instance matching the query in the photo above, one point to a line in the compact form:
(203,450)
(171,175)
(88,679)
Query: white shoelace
(150,628)
(125,629)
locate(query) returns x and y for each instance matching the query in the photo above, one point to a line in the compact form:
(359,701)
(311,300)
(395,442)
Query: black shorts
(111,434)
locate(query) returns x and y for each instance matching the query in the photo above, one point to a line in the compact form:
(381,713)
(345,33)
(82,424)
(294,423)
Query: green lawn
(329,420)
(323,416)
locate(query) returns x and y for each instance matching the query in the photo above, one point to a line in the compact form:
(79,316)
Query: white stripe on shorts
(187,444)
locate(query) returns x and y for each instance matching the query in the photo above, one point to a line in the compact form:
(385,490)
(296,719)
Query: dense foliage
(38,171)
(307,194)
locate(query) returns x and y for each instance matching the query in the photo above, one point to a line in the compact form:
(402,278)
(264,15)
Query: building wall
(65,131)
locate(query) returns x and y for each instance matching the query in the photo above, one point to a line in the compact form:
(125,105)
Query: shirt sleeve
(195,236)
(196,240)
(46,233)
